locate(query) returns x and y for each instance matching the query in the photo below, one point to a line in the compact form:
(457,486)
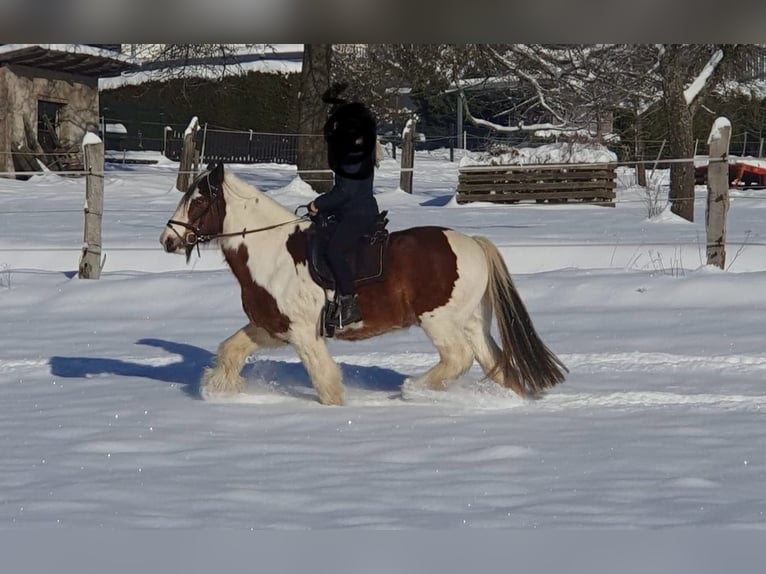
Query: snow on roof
(81,59)
(81,49)
(141,77)
(115,129)
(267,58)
(270,49)
(493,82)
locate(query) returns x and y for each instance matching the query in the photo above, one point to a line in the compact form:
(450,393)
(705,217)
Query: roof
(481,84)
(278,59)
(80,59)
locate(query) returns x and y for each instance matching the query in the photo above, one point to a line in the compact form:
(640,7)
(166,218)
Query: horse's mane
(239,188)
(244,190)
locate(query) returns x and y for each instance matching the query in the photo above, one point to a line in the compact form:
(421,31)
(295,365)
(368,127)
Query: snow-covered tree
(688,73)
(575,87)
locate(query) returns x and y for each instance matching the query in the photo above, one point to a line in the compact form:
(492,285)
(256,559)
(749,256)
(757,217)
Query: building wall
(23,87)
(6,162)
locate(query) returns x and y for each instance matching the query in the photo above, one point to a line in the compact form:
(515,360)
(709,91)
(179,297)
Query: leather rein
(195,237)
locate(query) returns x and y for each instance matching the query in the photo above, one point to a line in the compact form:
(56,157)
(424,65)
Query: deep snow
(659,424)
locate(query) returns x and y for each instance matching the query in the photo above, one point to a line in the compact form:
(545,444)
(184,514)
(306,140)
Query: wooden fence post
(202,148)
(188,157)
(90,259)
(408,155)
(718,192)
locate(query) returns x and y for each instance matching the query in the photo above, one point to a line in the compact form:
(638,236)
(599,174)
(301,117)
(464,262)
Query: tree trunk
(312,113)
(681,146)
(639,150)
(679,118)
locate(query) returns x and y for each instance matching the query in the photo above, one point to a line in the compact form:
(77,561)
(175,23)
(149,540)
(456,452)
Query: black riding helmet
(350,133)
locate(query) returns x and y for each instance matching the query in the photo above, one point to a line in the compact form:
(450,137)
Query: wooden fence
(592,183)
(241,147)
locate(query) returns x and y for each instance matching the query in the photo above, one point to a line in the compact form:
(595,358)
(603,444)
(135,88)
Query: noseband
(193,235)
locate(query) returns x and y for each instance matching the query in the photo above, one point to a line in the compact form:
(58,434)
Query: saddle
(366,261)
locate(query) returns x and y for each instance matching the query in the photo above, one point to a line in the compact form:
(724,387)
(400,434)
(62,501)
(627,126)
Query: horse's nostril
(169,247)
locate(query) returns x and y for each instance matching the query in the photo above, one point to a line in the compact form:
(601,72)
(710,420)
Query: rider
(350,133)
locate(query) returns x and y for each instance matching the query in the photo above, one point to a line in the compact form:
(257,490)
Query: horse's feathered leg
(224,378)
(322,369)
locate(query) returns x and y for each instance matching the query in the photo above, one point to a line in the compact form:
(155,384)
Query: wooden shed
(49,96)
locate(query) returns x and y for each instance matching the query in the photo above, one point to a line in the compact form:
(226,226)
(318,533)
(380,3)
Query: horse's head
(199,215)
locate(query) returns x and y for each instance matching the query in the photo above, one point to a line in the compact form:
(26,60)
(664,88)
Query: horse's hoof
(334,401)
(412,384)
(216,396)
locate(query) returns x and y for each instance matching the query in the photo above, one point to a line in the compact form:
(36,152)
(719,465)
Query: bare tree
(373,73)
(563,88)
(377,74)
(576,87)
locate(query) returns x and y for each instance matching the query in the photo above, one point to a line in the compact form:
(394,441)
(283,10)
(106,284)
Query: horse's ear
(216,174)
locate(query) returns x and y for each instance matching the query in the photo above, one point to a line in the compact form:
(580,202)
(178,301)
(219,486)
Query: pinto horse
(446,282)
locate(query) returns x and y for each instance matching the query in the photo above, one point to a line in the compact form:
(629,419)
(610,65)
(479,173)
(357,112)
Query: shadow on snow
(187,371)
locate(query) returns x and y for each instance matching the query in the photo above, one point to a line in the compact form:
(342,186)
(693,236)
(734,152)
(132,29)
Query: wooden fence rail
(553,184)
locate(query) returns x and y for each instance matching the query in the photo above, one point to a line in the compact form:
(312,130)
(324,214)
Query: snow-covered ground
(659,425)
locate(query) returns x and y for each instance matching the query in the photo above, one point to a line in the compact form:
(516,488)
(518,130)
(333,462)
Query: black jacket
(349,197)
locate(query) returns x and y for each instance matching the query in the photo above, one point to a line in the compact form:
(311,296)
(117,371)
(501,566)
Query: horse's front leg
(323,371)
(224,377)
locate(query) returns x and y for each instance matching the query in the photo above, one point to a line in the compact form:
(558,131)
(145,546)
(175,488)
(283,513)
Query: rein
(194,237)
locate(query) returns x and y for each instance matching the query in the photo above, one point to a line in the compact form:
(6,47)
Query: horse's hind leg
(485,349)
(455,354)
(224,377)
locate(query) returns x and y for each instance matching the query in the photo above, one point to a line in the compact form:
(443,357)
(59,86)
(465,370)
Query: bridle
(194,236)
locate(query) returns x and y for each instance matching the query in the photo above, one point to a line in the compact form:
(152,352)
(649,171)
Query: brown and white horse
(446,282)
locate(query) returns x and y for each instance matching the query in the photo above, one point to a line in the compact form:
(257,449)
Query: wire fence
(630,192)
(647,200)
(218,155)
(249,146)
(219,143)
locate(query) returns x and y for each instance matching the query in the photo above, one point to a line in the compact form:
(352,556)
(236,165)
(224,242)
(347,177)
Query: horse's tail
(526,363)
